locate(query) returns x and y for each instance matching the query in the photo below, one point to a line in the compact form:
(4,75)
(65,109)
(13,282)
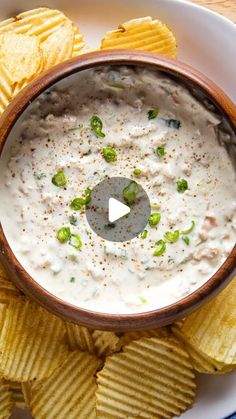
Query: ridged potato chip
(201,362)
(105,343)
(78,44)
(152,378)
(6,89)
(17,395)
(58,47)
(127,337)
(79,337)
(26,391)
(142,34)
(32,342)
(21,55)
(211,330)
(69,392)
(6,403)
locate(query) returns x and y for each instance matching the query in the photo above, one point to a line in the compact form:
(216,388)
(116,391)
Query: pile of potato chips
(36,40)
(61,370)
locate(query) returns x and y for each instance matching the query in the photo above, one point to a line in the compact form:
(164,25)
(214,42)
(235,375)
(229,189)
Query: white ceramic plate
(206,41)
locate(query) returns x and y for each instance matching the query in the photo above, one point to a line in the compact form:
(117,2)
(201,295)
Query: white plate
(207,42)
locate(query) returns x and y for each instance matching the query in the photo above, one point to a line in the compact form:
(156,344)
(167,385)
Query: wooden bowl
(18,274)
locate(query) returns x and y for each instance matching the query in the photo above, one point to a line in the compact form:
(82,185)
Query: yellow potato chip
(17,395)
(20,54)
(26,391)
(58,46)
(32,342)
(78,44)
(3,310)
(105,343)
(79,337)
(5,400)
(127,337)
(6,89)
(201,363)
(69,392)
(142,34)
(212,329)
(152,378)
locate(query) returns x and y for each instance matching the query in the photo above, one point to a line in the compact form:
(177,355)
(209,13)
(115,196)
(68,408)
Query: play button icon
(119,209)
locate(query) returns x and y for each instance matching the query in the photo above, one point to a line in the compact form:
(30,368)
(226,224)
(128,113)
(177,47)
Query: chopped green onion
(182,185)
(154,219)
(59,180)
(171,237)
(130,192)
(72,279)
(40,176)
(160,248)
(160,151)
(144,234)
(96,126)
(172,123)
(137,172)
(143,299)
(64,234)
(190,229)
(186,240)
(109,154)
(152,113)
(75,241)
(78,203)
(73,220)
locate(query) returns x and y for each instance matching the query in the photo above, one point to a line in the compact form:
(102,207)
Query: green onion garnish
(73,220)
(143,299)
(160,248)
(160,151)
(109,154)
(186,240)
(78,203)
(144,234)
(171,237)
(72,279)
(172,123)
(182,185)
(59,180)
(190,229)
(137,172)
(96,126)
(130,192)
(154,219)
(152,113)
(64,234)
(40,176)
(75,241)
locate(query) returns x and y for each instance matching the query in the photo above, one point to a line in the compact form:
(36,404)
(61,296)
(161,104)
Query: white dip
(55,135)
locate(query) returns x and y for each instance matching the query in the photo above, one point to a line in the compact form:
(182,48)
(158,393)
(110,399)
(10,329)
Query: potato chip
(69,392)
(105,343)
(152,378)
(17,395)
(26,391)
(142,34)
(212,329)
(58,46)
(5,400)
(201,363)
(3,310)
(32,342)
(6,89)
(127,337)
(79,337)
(78,44)
(20,54)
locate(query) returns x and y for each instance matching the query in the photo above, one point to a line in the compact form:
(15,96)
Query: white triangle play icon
(117,210)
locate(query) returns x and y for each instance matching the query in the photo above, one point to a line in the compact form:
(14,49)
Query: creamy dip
(155,125)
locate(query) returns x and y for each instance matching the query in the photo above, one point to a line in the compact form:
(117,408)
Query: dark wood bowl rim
(26,283)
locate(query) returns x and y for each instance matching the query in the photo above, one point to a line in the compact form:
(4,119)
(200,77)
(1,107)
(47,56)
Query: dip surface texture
(161,137)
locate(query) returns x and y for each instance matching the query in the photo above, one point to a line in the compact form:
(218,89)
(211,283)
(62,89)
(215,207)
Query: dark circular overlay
(127,227)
